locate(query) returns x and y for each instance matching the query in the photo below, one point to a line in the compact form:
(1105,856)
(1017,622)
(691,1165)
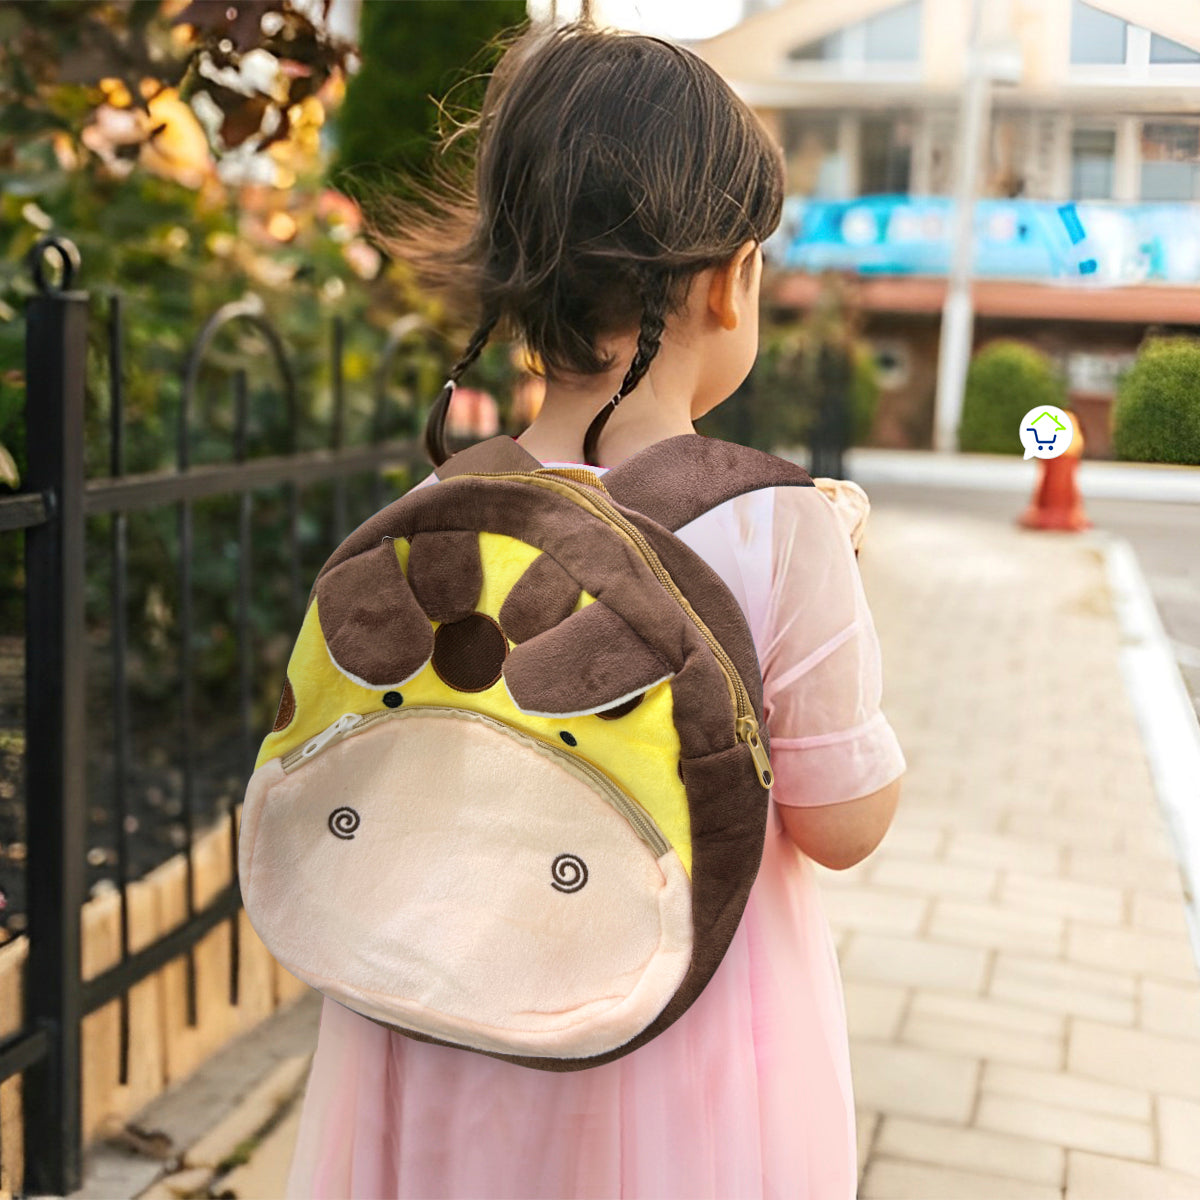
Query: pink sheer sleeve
(822,675)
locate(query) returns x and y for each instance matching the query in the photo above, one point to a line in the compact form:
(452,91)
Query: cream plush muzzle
(423,835)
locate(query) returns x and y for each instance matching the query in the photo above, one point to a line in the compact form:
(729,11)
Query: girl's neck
(659,407)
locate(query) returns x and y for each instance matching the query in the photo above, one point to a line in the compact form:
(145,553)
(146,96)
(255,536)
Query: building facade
(1094,105)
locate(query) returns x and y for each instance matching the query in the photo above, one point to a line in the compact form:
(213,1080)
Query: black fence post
(55,675)
(831,426)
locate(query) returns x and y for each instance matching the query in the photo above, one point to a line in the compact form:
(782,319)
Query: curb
(1165,716)
(237,1096)
(251,1116)
(1099,479)
(266,1172)
(226,1152)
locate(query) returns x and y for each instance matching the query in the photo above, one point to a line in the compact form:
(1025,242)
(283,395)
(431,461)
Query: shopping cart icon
(1050,419)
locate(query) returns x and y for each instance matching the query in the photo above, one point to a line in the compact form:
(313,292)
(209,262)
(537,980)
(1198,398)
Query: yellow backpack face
(633,742)
(510,802)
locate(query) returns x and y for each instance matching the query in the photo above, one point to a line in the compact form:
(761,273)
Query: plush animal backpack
(516,792)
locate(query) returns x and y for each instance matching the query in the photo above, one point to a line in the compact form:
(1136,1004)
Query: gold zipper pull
(747,731)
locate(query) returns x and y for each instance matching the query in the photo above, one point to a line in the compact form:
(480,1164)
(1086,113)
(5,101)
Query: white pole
(958,315)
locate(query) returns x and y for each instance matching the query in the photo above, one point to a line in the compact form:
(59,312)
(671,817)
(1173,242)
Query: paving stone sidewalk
(1023,1000)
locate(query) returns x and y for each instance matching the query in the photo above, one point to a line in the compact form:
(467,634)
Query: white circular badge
(1046,432)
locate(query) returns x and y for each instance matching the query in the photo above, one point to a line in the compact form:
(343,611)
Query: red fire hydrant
(1057,503)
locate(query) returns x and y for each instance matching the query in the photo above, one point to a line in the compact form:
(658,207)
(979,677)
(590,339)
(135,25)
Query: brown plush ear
(445,573)
(372,623)
(542,598)
(590,661)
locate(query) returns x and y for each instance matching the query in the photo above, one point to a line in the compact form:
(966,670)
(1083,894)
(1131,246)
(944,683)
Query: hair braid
(654,320)
(435,424)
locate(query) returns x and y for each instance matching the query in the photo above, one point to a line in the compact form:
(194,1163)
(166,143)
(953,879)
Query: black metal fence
(51,508)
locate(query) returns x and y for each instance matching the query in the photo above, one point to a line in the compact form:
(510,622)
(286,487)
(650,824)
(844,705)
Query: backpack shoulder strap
(500,453)
(676,480)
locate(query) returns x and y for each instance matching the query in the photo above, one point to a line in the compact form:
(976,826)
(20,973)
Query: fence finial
(68,257)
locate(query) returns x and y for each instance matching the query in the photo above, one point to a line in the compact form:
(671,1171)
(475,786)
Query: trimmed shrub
(1156,417)
(864,394)
(1005,380)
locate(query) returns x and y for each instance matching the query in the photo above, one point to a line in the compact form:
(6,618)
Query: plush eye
(622,709)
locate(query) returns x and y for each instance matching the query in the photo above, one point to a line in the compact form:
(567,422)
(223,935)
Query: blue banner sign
(1014,239)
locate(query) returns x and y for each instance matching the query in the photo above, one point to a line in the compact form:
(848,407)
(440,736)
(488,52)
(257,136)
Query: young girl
(623,193)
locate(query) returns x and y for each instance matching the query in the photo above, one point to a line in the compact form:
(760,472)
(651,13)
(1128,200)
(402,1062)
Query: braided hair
(435,424)
(654,320)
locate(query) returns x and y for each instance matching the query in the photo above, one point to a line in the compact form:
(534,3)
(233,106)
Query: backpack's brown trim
(677,479)
(500,453)
(709,595)
(287,707)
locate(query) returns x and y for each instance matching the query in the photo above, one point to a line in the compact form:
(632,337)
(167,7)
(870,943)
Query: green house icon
(1045,413)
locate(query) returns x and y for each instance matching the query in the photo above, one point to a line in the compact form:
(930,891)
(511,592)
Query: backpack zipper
(353,723)
(593,496)
(346,724)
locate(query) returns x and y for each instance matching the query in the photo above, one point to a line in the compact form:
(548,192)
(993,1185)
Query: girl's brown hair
(610,168)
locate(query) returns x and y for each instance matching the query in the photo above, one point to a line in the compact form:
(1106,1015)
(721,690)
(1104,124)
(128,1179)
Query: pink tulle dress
(748,1094)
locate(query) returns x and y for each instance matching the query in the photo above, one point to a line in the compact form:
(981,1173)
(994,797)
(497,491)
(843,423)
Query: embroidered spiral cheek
(568,873)
(344,823)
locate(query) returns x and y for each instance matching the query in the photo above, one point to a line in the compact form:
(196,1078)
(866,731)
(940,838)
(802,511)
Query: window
(1170,161)
(894,35)
(1096,37)
(1163,50)
(814,161)
(1092,155)
(886,155)
(893,363)
(891,36)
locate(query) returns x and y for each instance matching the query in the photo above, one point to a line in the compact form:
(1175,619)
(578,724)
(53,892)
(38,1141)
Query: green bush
(1156,417)
(864,394)
(1005,380)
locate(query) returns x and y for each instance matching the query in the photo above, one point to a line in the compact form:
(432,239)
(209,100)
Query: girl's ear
(727,293)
